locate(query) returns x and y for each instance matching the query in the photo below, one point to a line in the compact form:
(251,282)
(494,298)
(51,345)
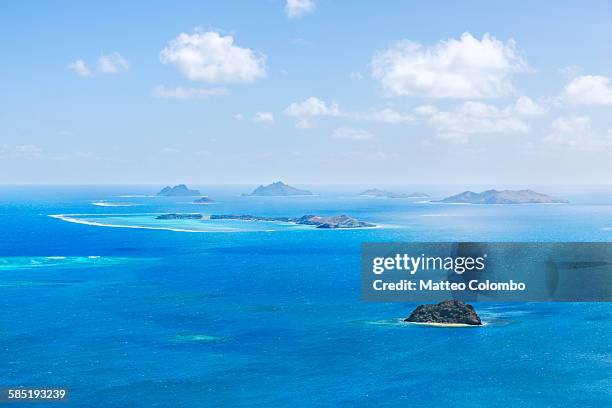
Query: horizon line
(305,183)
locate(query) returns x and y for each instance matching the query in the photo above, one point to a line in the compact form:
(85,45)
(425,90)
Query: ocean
(243,314)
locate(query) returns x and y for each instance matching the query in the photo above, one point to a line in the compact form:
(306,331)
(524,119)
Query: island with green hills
(180,190)
(502,197)
(277,189)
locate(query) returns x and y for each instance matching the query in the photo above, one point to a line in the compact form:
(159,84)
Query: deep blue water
(179,319)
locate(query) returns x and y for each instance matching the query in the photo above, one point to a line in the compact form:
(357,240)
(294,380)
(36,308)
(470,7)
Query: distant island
(449,312)
(204,200)
(502,197)
(277,189)
(334,222)
(376,192)
(180,190)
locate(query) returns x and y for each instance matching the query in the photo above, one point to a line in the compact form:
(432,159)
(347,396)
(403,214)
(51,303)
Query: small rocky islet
(333,222)
(204,200)
(448,312)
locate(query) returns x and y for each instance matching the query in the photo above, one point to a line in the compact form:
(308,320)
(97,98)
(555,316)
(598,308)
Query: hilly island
(502,197)
(278,189)
(180,190)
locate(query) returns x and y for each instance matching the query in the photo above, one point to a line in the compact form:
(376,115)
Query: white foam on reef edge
(107,204)
(67,218)
(447,325)
(400,322)
(70,218)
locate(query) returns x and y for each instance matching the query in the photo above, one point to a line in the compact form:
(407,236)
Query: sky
(306,91)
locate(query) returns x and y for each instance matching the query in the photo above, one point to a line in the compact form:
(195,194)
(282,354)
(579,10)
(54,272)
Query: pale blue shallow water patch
(41,262)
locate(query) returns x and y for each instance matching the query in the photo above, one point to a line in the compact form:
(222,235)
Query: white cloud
(527,107)
(576,132)
(309,108)
(573,124)
(353,134)
(387,115)
(238,116)
(425,110)
(27,151)
(356,76)
(589,90)
(475,118)
(179,92)
(108,64)
(573,131)
(312,107)
(211,57)
(112,63)
(263,117)
(297,8)
(80,68)
(463,68)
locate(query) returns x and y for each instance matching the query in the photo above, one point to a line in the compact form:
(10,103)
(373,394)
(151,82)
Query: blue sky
(315,91)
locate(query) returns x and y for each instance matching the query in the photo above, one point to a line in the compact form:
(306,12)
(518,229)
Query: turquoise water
(267,314)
